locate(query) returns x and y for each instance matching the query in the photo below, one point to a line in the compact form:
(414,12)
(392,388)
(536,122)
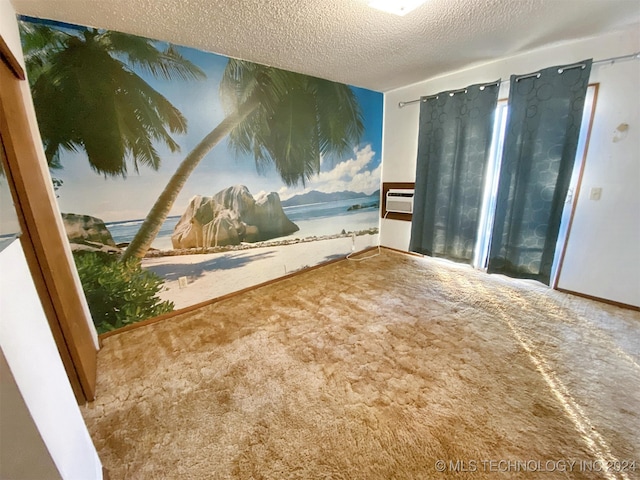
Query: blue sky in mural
(113,199)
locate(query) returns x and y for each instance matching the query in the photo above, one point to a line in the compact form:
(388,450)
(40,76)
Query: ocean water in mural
(184,175)
(353,214)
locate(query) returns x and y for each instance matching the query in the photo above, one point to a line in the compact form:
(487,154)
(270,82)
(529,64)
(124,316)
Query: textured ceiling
(344,40)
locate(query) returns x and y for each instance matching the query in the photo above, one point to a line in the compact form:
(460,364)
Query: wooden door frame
(43,239)
(576,194)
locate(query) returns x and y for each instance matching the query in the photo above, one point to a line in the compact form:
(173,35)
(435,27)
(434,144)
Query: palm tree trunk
(161,208)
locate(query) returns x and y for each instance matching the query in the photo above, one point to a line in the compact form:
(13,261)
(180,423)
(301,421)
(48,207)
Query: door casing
(43,239)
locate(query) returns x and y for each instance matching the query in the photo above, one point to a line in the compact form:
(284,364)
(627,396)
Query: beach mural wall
(184,175)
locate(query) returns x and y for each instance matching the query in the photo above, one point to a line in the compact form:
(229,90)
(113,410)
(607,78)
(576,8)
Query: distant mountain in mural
(138,131)
(321,197)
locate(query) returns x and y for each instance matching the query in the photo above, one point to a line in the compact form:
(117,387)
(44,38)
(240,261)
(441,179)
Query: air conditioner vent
(400,200)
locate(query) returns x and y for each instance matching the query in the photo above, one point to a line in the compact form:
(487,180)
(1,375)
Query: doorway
(488,208)
(42,238)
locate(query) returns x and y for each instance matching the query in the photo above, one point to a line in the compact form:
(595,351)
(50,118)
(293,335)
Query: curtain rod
(631,56)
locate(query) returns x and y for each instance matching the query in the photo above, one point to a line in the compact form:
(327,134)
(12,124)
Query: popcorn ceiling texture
(373,370)
(346,41)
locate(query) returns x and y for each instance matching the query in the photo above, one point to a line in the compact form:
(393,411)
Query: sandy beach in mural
(278,189)
(207,276)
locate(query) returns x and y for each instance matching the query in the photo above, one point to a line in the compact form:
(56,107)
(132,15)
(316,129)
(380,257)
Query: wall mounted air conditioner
(400,200)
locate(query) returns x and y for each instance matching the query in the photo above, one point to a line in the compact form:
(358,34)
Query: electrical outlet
(182,282)
(595,193)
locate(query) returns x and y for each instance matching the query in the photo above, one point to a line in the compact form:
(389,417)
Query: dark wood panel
(383,201)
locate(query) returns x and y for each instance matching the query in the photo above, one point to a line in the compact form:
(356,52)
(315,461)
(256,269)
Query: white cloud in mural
(352,174)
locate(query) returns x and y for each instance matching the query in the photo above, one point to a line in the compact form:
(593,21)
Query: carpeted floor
(375,370)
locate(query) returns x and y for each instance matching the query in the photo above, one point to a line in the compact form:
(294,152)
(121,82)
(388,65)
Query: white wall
(23,453)
(593,265)
(32,357)
(603,253)
(31,354)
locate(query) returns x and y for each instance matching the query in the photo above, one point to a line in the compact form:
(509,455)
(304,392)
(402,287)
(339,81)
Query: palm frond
(144,54)
(88,96)
(299,120)
(39,43)
(340,121)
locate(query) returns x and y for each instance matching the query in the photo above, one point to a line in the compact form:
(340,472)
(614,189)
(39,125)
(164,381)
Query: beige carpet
(375,370)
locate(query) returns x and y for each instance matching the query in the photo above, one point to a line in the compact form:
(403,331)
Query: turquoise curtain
(543,124)
(453,148)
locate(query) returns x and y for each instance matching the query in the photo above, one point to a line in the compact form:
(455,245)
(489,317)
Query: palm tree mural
(89,97)
(282,118)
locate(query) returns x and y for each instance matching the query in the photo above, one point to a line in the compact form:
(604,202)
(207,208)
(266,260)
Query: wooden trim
(599,299)
(43,293)
(10,60)
(105,474)
(576,196)
(412,254)
(190,308)
(383,201)
(43,239)
(570,292)
(215,300)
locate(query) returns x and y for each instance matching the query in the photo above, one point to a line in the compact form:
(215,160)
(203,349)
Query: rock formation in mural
(88,233)
(230,217)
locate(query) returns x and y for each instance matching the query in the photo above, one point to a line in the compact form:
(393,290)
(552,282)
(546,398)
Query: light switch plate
(595,193)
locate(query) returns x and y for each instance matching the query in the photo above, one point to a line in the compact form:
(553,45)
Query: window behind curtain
(455,136)
(493,173)
(542,132)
